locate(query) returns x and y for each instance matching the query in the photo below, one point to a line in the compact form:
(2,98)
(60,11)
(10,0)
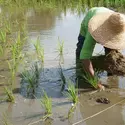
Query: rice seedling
(13,73)
(60,47)
(17,55)
(3,36)
(72,94)
(10,97)
(7,26)
(71,110)
(23,30)
(39,50)
(46,103)
(93,80)
(63,79)
(5,120)
(13,64)
(31,77)
(19,41)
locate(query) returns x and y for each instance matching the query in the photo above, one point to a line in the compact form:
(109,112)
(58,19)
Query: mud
(113,63)
(103,100)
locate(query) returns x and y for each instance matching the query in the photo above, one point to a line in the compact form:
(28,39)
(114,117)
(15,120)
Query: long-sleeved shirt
(89,42)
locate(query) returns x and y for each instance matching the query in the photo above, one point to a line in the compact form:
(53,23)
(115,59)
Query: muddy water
(49,26)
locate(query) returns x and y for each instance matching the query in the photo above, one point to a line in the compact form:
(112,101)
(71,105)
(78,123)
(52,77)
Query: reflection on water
(50,25)
(43,20)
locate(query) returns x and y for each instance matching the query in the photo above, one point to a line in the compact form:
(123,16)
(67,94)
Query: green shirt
(89,42)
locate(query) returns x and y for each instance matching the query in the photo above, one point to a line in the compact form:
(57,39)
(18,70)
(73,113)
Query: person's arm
(86,53)
(87,65)
(85,56)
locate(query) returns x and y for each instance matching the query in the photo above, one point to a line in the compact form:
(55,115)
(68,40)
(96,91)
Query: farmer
(103,26)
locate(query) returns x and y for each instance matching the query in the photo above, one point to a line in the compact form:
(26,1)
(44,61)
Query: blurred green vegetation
(79,5)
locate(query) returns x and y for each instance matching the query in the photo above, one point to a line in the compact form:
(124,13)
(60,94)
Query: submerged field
(37,56)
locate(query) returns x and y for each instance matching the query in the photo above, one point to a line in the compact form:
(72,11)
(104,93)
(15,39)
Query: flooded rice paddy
(51,27)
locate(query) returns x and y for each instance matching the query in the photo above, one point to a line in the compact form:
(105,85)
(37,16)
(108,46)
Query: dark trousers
(79,46)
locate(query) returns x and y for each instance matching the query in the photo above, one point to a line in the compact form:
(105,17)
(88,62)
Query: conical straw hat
(108,29)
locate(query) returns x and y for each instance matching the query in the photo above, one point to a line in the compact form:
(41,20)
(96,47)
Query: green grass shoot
(63,79)
(10,97)
(46,103)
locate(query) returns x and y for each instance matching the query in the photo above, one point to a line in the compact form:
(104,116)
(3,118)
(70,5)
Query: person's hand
(100,86)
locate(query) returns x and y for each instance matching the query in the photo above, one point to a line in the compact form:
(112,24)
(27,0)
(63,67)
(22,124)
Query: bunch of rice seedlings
(5,120)
(60,47)
(63,79)
(46,103)
(10,97)
(31,77)
(39,50)
(93,80)
(72,92)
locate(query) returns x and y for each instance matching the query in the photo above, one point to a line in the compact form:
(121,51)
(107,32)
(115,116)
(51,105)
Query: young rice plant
(93,80)
(9,95)
(46,103)
(31,77)
(39,50)
(72,95)
(72,92)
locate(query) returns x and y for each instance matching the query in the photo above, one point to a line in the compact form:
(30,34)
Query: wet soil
(113,63)
(103,100)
